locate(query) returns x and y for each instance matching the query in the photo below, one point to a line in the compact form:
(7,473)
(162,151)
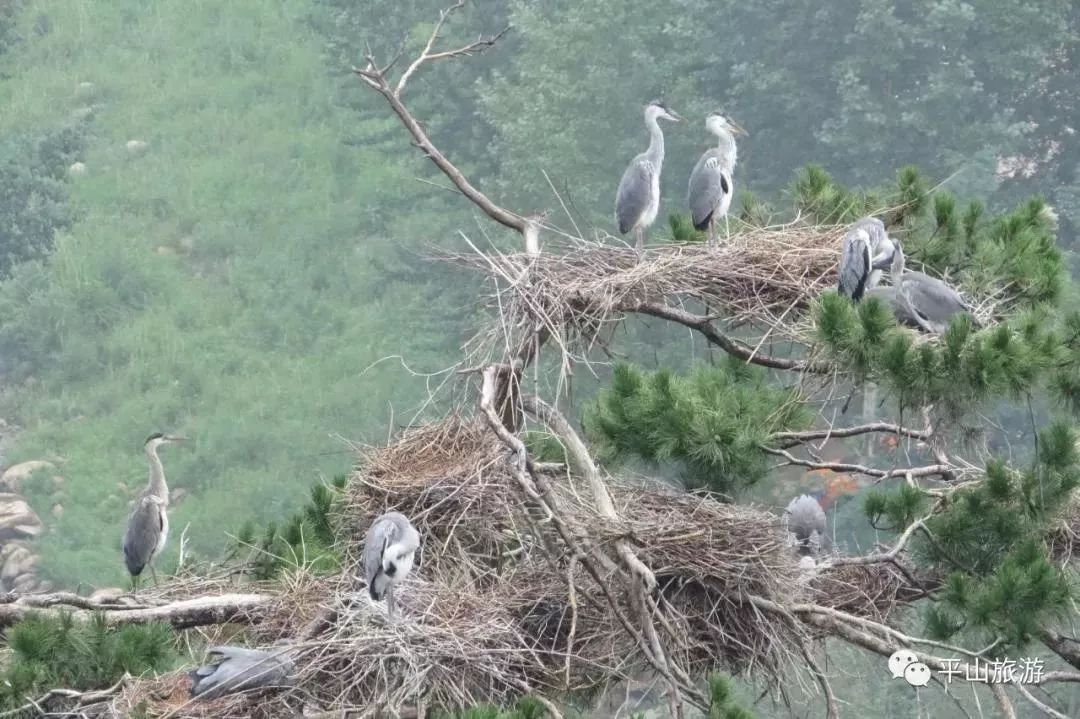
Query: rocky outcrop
(19,526)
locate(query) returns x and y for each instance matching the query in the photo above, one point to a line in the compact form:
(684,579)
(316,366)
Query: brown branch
(578,454)
(375,78)
(930,470)
(704,325)
(184,614)
(790,439)
(1065,648)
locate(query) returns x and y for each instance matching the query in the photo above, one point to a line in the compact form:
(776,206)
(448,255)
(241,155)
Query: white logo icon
(917,674)
(900,660)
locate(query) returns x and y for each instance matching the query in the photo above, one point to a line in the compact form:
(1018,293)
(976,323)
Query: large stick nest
(761,276)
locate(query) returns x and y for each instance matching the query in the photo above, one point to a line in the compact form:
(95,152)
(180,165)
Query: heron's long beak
(674,116)
(176,438)
(738,128)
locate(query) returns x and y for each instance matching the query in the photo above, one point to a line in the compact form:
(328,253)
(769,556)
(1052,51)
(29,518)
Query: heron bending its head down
(867,252)
(805,519)
(712,184)
(637,201)
(924,302)
(148,524)
(389,549)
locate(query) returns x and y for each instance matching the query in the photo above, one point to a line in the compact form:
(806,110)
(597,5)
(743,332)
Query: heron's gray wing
(632,199)
(381,534)
(901,311)
(854,263)
(708,185)
(805,517)
(934,299)
(143,532)
(238,669)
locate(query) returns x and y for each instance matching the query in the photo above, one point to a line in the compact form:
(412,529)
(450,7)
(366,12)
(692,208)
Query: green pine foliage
(51,652)
(308,538)
(710,422)
(526,708)
(722,704)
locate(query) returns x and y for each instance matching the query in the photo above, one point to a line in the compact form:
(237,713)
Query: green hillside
(231,282)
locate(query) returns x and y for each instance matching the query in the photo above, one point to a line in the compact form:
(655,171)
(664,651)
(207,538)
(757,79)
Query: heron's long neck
(655,152)
(157,485)
(726,142)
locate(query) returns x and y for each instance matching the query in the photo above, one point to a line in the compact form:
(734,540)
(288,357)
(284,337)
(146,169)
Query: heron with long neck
(867,253)
(712,184)
(148,525)
(637,201)
(927,302)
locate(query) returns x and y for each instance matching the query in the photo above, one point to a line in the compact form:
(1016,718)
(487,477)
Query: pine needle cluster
(307,538)
(63,652)
(710,422)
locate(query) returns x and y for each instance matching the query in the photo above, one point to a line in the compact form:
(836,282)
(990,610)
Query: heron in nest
(805,519)
(637,201)
(712,184)
(389,548)
(148,525)
(866,254)
(919,300)
(232,669)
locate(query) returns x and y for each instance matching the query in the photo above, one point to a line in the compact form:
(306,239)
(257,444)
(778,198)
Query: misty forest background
(251,275)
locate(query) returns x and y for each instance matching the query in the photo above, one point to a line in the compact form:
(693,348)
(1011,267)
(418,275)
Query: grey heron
(805,518)
(148,525)
(712,184)
(389,548)
(867,252)
(928,301)
(637,201)
(234,669)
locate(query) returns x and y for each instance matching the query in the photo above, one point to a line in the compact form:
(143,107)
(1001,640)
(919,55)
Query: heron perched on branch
(389,548)
(638,200)
(712,184)
(148,524)
(235,669)
(867,253)
(805,518)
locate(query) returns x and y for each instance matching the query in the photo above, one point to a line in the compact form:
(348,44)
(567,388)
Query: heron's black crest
(661,104)
(155,435)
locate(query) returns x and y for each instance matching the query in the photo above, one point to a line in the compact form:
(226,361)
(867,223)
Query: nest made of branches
(760,276)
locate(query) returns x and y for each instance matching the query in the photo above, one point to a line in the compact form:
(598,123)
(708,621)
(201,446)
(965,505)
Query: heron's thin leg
(712,232)
(727,230)
(640,245)
(134,583)
(390,603)
(153,573)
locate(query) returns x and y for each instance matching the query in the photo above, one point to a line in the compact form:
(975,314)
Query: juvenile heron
(928,301)
(712,184)
(148,524)
(638,199)
(867,252)
(389,548)
(805,518)
(234,669)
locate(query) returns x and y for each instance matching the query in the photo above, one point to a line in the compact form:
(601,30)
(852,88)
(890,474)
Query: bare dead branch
(197,612)
(790,439)
(930,470)
(704,325)
(1067,649)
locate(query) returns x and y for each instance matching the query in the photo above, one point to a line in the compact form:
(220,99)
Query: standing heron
(638,200)
(805,518)
(389,548)
(927,301)
(711,182)
(235,669)
(148,524)
(867,252)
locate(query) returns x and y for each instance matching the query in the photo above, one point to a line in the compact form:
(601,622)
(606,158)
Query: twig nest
(136,147)
(77,169)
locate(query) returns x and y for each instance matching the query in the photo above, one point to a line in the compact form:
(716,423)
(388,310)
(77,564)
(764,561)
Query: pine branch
(704,325)
(1067,649)
(930,470)
(791,439)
